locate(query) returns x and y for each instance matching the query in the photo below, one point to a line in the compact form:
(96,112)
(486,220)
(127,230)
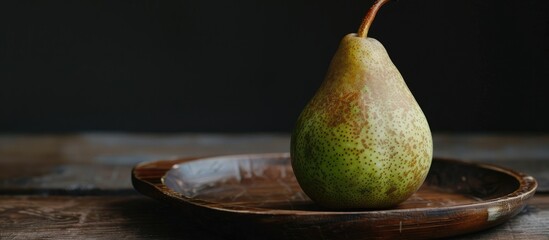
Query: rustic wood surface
(138,217)
(78,186)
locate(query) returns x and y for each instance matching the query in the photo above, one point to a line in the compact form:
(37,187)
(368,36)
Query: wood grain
(138,217)
(104,217)
(66,162)
(78,186)
(98,163)
(259,195)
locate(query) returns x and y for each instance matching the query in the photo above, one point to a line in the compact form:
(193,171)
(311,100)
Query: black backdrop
(251,65)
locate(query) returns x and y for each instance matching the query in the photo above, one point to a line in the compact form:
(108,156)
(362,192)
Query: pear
(362,141)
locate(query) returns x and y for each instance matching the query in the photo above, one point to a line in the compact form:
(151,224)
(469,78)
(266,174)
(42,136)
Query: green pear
(362,141)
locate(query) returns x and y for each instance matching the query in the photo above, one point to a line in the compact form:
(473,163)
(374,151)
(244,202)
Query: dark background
(251,65)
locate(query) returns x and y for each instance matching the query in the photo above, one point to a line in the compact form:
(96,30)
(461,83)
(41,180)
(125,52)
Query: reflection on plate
(257,196)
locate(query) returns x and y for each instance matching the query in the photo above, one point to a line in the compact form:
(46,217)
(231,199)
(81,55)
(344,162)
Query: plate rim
(525,190)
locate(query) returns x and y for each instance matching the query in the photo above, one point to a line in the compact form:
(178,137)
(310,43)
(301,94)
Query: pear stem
(369,18)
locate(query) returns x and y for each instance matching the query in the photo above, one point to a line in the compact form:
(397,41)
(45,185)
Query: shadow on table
(150,219)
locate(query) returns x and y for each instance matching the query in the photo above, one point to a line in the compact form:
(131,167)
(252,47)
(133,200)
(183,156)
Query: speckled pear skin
(362,141)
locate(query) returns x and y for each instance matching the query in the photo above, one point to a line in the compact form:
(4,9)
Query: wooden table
(78,186)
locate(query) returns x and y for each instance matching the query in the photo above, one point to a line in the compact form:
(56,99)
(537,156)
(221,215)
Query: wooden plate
(257,197)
